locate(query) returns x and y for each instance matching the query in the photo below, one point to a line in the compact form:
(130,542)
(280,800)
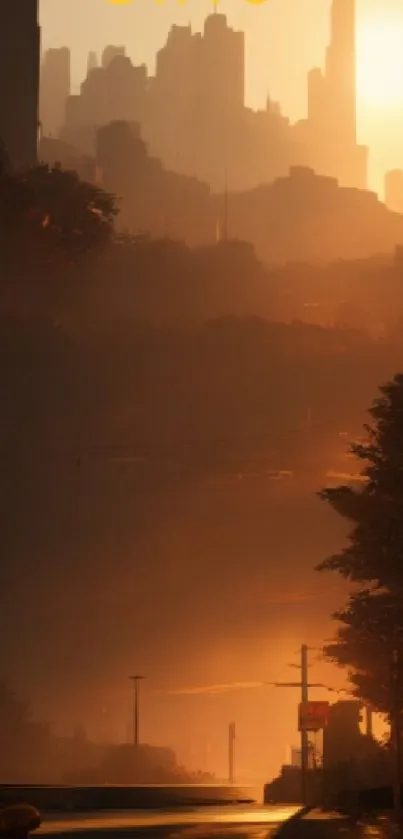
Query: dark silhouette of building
(92,61)
(351,759)
(153,199)
(113,92)
(342,735)
(310,217)
(53,152)
(54,90)
(193,116)
(286,787)
(109,53)
(329,133)
(394,190)
(340,75)
(19,80)
(197,122)
(192,112)
(197,100)
(301,217)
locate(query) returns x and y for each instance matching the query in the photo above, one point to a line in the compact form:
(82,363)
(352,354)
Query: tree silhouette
(366,643)
(49,206)
(370,639)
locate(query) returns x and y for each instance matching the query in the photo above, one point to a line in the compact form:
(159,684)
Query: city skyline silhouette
(271,37)
(200,295)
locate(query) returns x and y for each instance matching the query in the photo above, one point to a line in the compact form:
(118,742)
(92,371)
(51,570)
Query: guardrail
(116,797)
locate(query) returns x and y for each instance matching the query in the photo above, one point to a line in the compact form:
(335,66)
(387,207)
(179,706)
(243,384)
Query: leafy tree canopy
(50,206)
(369,641)
(374,553)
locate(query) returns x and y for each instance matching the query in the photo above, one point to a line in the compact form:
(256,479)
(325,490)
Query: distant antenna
(225,219)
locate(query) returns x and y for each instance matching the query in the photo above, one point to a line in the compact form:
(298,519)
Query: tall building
(54,90)
(223,65)
(19,80)
(109,53)
(340,72)
(92,61)
(197,108)
(110,93)
(330,131)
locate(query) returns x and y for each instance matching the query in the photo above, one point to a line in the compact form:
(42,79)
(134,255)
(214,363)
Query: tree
(75,214)
(49,206)
(369,641)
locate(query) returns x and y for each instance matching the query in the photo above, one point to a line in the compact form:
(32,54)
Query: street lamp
(136,707)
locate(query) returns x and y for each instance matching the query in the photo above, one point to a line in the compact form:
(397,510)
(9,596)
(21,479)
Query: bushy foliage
(369,641)
(45,206)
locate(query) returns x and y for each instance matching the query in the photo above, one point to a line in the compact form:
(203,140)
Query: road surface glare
(183,817)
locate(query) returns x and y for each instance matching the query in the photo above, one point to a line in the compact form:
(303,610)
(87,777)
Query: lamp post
(136,708)
(231,753)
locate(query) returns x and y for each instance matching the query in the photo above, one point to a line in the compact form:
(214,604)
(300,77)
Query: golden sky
(284,39)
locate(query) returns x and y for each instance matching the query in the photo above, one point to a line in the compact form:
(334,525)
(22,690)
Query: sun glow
(380,63)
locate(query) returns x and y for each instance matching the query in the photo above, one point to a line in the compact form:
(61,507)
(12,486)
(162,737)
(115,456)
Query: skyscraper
(223,65)
(19,80)
(341,70)
(54,90)
(331,128)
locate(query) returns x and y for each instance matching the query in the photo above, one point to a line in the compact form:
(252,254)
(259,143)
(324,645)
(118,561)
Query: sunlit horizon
(380,82)
(195,274)
(271,41)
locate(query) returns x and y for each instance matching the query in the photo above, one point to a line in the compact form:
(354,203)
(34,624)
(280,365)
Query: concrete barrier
(85,799)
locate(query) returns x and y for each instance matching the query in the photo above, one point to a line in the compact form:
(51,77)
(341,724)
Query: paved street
(239,822)
(227,815)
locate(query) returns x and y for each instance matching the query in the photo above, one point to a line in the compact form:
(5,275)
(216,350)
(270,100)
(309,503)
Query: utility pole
(231,753)
(304,734)
(136,708)
(303,685)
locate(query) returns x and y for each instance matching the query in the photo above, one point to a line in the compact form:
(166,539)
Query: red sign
(312,716)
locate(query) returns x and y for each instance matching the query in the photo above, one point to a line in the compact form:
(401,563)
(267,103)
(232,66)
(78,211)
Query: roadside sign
(312,716)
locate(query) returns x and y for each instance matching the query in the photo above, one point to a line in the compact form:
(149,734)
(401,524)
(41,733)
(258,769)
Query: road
(229,822)
(185,817)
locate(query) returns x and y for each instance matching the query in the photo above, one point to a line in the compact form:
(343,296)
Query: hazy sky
(216,637)
(284,39)
(143,26)
(211,638)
